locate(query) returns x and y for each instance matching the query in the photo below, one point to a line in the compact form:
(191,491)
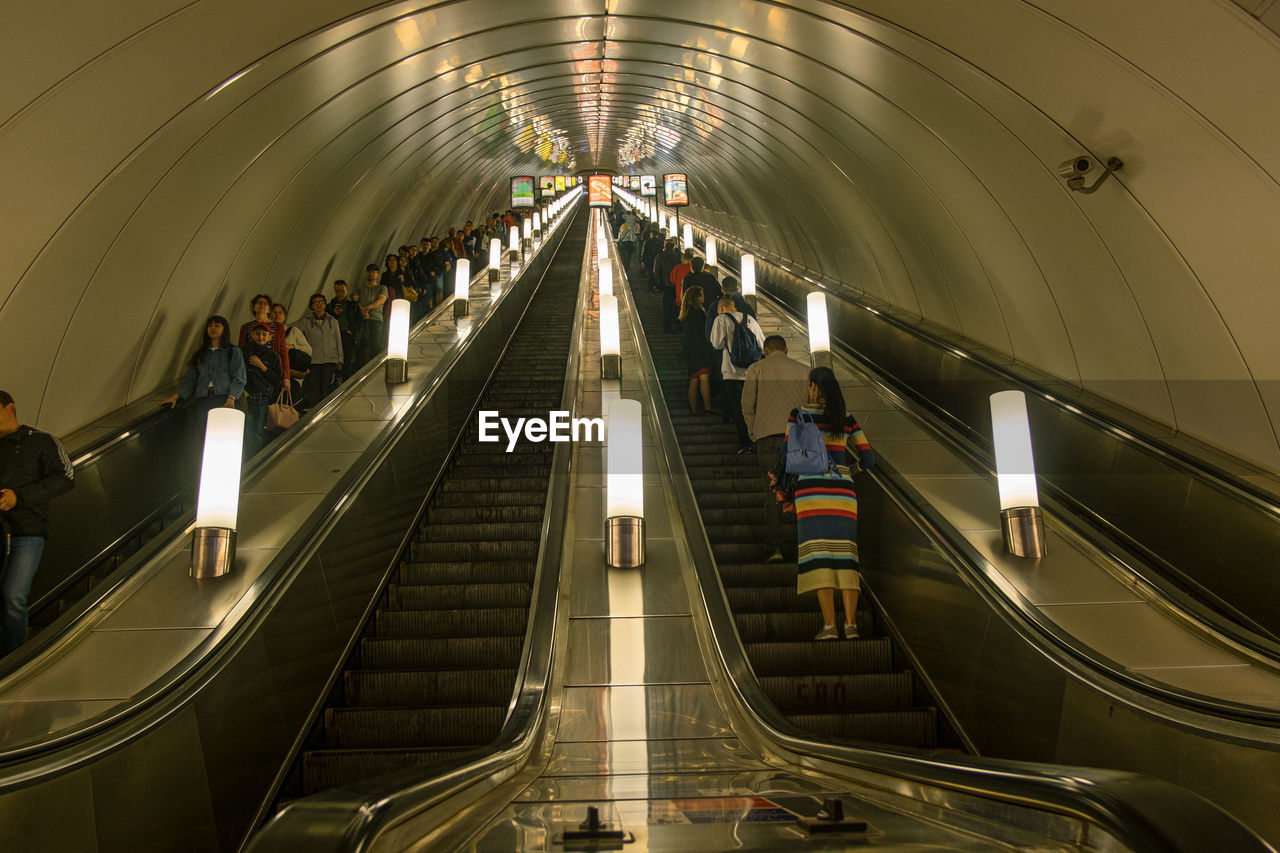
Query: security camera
(1077,167)
(1075,170)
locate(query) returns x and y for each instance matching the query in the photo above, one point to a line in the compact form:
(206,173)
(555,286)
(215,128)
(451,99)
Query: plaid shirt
(775,385)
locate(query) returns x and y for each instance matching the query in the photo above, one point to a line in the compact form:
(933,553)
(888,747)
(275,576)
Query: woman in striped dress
(827,506)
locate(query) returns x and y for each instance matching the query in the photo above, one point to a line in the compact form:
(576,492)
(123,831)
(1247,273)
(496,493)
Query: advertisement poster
(635,182)
(676,189)
(522,191)
(600,190)
(648,185)
(547,186)
(560,183)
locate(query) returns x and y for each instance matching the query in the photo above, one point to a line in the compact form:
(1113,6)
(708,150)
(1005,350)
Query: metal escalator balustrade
(855,689)
(433,676)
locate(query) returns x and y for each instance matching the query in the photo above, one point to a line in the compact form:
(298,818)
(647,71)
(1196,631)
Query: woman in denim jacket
(215,374)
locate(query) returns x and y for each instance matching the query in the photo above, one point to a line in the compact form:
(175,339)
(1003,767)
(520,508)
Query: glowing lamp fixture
(515,243)
(462,287)
(537,223)
(610,338)
(688,236)
(624,489)
(606,279)
(710,251)
(213,545)
(819,333)
(1020,515)
(495,258)
(397,363)
(748,264)
(528,230)
(671,225)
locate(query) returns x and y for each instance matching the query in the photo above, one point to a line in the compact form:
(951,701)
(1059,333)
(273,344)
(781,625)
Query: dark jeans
(15,584)
(256,436)
(668,308)
(374,335)
(625,251)
(767,455)
(318,384)
(733,409)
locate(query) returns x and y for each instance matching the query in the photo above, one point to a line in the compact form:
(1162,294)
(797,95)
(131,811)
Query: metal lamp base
(753,302)
(624,542)
(513,256)
(494,274)
(213,552)
(397,371)
(1023,531)
(822,358)
(610,366)
(461,307)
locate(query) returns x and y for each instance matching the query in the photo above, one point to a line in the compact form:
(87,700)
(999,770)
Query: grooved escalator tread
(850,689)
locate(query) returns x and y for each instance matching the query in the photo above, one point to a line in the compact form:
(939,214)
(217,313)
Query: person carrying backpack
(823,448)
(739,338)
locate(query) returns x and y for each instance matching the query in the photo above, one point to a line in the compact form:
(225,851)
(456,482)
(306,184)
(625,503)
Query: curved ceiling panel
(171,159)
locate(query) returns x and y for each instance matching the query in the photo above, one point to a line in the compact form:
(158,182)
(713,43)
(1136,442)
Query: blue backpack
(744,350)
(806,449)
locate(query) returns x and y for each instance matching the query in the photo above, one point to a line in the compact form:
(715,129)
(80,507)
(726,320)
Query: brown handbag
(281,414)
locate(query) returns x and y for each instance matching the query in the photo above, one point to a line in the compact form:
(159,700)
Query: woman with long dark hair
(827,505)
(215,375)
(698,354)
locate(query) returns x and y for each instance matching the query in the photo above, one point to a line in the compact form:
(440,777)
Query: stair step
(452,653)
(364,728)
(425,688)
(459,596)
(323,769)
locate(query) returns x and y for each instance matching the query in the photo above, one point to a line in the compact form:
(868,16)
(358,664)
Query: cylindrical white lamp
(748,270)
(671,225)
(397,363)
(624,488)
(610,338)
(537,224)
(213,545)
(606,279)
(688,236)
(710,251)
(1020,515)
(495,259)
(462,287)
(514,241)
(528,232)
(819,333)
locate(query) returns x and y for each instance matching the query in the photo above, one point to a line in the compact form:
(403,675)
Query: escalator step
(795,627)
(440,532)
(759,574)
(530,514)
(829,657)
(711,497)
(492,622)
(915,727)
(324,769)
(452,552)
(840,694)
(362,728)
(452,653)
(770,599)
(484,482)
(468,499)
(479,571)
(425,688)
(459,596)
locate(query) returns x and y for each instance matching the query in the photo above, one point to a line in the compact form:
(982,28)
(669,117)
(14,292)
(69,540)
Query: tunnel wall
(166,161)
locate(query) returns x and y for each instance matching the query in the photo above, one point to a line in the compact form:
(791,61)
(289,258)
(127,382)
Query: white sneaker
(828,632)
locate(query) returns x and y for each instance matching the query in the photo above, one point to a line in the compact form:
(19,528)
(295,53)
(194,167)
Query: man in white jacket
(727,318)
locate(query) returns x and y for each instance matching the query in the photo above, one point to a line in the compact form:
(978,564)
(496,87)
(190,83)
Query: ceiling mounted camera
(1077,169)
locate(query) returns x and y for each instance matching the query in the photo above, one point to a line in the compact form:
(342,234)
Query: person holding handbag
(827,503)
(263,385)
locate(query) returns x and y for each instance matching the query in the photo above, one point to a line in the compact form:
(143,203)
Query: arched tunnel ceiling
(167,160)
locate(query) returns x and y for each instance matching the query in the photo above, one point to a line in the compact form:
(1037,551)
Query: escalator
(432,677)
(854,689)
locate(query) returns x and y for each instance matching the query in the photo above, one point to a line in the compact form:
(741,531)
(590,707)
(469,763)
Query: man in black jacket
(34,469)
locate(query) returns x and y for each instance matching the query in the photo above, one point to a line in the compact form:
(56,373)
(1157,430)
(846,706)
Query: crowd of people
(270,361)
(782,410)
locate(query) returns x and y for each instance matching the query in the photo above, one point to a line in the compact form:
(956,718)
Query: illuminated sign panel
(560,183)
(676,190)
(635,182)
(522,191)
(600,191)
(648,185)
(547,185)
